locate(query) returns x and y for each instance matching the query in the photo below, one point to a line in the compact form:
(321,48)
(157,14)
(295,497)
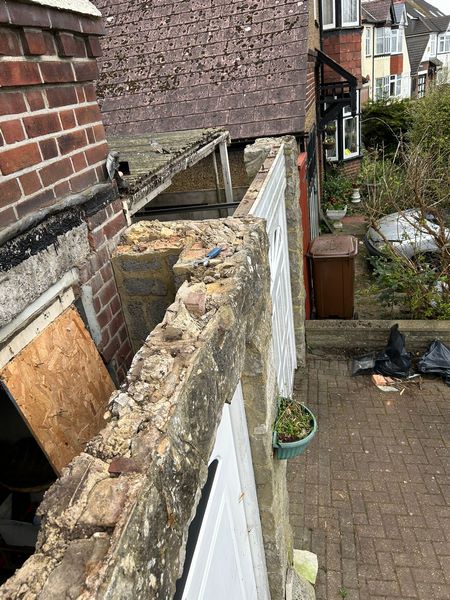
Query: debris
(394,361)
(306,565)
(384,383)
(436,360)
(364,364)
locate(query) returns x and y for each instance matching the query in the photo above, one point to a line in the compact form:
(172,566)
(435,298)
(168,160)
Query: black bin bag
(436,360)
(394,361)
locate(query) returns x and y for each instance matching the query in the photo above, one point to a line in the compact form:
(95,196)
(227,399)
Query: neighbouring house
(428,42)
(385,58)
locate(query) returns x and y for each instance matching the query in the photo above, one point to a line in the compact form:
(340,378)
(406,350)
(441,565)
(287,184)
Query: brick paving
(371,497)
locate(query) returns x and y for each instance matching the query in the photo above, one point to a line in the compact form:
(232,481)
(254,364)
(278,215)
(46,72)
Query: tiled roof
(378,11)
(185,64)
(416,47)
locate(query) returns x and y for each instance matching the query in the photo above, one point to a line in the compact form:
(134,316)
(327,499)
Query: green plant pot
(285,450)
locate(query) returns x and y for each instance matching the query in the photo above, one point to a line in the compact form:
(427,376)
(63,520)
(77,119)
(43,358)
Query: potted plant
(329,142)
(337,192)
(330,129)
(294,429)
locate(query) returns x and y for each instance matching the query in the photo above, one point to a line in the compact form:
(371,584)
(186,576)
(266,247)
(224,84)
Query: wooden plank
(61,388)
(226,172)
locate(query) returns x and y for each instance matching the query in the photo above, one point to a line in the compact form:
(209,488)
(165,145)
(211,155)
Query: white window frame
(396,82)
(383,33)
(421,78)
(354,23)
(432,45)
(384,88)
(397,35)
(333,157)
(368,41)
(331,25)
(347,116)
(444,43)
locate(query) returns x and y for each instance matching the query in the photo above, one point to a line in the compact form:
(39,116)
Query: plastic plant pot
(284,450)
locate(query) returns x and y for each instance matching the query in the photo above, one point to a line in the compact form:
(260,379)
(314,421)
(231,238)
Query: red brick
(56,72)
(62,189)
(104,317)
(97,154)
(35,100)
(115,305)
(8,215)
(106,272)
(79,162)
(12,102)
(62,19)
(83,181)
(80,95)
(56,171)
(67,119)
(12,131)
(15,73)
(93,46)
(110,350)
(33,204)
(102,175)
(99,133)
(115,225)
(9,192)
(28,15)
(4,17)
(90,135)
(89,92)
(92,25)
(50,48)
(38,125)
(116,324)
(86,71)
(108,292)
(33,42)
(61,96)
(30,183)
(88,114)
(71,141)
(9,42)
(48,148)
(19,158)
(65,44)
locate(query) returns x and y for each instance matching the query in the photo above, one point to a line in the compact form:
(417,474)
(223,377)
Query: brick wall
(343,46)
(105,227)
(52,141)
(52,144)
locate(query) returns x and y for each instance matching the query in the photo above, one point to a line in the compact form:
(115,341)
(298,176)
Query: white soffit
(83,7)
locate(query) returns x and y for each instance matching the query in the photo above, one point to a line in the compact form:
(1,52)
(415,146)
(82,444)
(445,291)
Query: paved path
(371,497)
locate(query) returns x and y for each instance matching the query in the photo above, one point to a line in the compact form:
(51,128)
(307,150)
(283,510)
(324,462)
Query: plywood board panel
(61,387)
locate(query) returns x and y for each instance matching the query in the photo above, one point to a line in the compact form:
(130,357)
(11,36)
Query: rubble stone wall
(115,524)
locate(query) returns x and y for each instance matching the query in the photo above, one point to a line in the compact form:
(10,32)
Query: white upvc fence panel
(270,205)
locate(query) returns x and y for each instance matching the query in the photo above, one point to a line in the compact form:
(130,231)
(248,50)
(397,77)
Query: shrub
(337,189)
(384,123)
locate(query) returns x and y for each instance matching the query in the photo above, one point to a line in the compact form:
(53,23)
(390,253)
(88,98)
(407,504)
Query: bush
(384,123)
(337,189)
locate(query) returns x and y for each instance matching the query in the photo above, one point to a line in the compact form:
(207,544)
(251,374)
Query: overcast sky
(444,5)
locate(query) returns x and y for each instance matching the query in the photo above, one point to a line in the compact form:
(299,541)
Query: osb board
(61,387)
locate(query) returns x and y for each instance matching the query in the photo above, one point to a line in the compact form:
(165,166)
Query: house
(385,59)
(428,41)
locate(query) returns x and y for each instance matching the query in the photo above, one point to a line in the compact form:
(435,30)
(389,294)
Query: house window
(328,14)
(444,43)
(350,16)
(388,87)
(432,46)
(350,134)
(421,86)
(396,41)
(332,153)
(383,40)
(368,43)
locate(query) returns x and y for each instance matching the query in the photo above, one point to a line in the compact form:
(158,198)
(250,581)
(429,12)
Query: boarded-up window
(61,388)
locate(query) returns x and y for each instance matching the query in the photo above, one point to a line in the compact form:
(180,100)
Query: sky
(444,5)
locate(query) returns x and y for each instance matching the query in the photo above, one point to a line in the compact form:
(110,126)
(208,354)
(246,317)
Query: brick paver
(371,497)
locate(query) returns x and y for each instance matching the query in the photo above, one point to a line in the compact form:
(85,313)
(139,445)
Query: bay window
(396,41)
(346,136)
(328,14)
(388,87)
(382,40)
(350,134)
(368,39)
(340,13)
(444,43)
(350,13)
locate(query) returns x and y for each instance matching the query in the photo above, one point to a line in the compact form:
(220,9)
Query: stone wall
(115,524)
